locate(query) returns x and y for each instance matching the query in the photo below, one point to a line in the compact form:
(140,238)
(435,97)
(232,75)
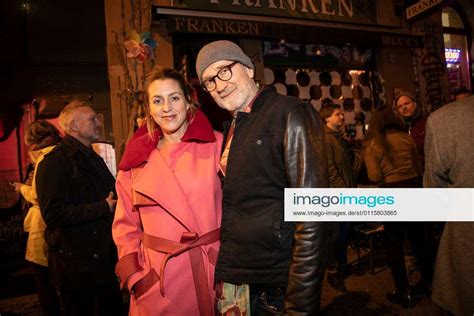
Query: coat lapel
(157,185)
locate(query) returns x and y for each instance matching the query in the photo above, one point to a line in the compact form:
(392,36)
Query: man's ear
(73,125)
(250,72)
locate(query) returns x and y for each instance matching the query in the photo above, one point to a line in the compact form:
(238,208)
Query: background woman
(392,161)
(168,213)
(42,137)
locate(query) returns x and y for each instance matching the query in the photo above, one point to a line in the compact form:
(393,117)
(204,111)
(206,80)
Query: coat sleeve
(436,173)
(28,193)
(126,232)
(53,180)
(335,179)
(306,167)
(373,159)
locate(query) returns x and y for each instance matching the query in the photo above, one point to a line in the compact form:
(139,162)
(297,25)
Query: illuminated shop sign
(452,55)
(420,7)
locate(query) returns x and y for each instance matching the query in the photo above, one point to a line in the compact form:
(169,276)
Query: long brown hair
(159,73)
(382,121)
(41,134)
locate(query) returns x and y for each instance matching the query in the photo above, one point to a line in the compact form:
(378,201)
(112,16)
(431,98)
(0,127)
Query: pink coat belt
(190,242)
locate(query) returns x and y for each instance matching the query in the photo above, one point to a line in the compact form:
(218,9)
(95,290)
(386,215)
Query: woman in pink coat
(168,213)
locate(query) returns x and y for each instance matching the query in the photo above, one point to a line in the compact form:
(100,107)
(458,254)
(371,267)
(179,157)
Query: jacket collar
(261,97)
(71,145)
(141,145)
(256,104)
(331,131)
(145,192)
(36,154)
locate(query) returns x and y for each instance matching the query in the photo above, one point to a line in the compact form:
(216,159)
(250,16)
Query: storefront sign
(352,11)
(452,55)
(420,7)
(304,33)
(402,41)
(209,25)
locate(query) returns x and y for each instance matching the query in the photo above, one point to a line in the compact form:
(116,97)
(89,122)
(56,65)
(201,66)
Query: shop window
(456,50)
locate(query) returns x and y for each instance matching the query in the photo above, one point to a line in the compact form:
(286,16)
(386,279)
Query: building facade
(355,52)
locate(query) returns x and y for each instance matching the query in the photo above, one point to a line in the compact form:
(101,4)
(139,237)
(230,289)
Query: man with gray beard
(76,196)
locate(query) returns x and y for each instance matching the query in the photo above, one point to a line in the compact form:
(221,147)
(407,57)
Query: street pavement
(365,294)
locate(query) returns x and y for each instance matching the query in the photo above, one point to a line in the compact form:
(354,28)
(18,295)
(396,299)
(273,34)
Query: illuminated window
(456,51)
(451,19)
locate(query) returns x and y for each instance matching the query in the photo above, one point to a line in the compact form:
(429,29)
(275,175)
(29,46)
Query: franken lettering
(326,7)
(216,26)
(420,7)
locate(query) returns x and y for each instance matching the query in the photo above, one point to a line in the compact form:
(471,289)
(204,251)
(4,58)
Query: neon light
(452,55)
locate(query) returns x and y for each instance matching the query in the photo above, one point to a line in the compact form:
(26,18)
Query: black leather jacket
(279,144)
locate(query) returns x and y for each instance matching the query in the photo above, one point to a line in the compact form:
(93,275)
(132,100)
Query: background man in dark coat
(274,142)
(340,176)
(75,192)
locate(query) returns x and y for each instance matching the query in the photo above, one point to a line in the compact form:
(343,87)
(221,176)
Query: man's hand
(111,201)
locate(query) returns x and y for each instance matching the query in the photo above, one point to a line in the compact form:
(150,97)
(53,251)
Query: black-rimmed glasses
(224,74)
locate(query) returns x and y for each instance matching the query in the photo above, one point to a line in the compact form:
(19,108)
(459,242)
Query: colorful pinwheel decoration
(140,46)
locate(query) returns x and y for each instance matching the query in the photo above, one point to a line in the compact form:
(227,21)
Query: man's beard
(91,136)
